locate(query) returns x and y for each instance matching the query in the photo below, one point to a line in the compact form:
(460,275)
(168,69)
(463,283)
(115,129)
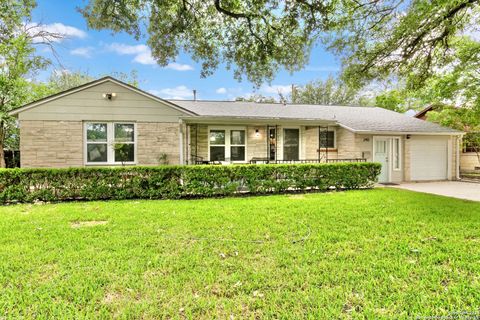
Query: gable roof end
(87,85)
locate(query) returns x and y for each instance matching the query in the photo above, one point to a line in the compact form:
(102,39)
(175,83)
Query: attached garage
(429,158)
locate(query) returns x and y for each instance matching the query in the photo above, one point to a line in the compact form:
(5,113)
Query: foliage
(461,118)
(257,38)
(257,98)
(327,92)
(17,61)
(163,159)
(170,182)
(371,254)
(409,40)
(63,80)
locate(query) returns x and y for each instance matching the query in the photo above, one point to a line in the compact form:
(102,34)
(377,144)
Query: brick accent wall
(156,138)
(51,144)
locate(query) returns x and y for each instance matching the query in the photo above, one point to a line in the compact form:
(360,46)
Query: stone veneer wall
(156,138)
(57,144)
(51,144)
(468,161)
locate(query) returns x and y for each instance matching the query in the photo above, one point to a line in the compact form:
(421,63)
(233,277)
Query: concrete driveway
(455,189)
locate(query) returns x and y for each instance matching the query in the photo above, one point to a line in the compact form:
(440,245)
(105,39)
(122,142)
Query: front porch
(217,144)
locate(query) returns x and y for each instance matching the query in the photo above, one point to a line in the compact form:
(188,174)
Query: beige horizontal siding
(89,104)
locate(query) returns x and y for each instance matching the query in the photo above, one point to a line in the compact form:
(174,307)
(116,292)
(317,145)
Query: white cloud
(121,48)
(145,58)
(276,89)
(143,55)
(179,66)
(179,93)
(63,32)
(221,90)
(85,52)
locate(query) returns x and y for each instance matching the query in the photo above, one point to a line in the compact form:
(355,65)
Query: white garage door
(428,158)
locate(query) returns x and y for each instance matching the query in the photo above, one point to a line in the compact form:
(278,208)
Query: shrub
(173,182)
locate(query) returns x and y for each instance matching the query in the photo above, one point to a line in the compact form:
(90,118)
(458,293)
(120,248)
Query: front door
(291,144)
(381,156)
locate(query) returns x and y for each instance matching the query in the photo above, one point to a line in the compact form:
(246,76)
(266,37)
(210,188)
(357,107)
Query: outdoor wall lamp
(109,96)
(408,136)
(257,133)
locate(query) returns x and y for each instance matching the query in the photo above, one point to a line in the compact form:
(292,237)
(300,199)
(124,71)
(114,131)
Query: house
(107,122)
(469,160)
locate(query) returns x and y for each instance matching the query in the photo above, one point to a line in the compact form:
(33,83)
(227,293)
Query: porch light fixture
(257,133)
(366,139)
(408,136)
(109,96)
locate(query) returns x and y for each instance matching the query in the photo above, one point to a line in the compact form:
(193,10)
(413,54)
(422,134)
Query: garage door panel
(429,158)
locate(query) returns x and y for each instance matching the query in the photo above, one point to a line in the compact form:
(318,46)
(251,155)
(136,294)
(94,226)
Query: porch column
(180,142)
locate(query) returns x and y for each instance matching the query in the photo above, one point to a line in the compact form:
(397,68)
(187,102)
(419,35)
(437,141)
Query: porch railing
(257,160)
(268,161)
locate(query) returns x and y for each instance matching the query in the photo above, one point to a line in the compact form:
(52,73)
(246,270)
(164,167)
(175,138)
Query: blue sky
(101,52)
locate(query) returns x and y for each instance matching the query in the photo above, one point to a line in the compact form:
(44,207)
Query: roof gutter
(426,133)
(252,120)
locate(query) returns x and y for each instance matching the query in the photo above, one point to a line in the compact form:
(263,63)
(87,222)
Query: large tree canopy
(256,38)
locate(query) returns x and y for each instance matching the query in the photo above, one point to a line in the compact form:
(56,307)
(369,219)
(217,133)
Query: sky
(101,52)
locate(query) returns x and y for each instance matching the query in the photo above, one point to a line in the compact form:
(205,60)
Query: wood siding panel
(89,104)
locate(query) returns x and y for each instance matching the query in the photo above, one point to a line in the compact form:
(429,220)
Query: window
(217,145)
(97,142)
(397,154)
(227,144)
(291,144)
(110,143)
(272,143)
(327,139)
(237,145)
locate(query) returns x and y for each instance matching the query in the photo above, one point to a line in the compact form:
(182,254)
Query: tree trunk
(2,141)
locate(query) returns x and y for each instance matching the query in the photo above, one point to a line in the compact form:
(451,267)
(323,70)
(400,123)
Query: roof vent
(194,95)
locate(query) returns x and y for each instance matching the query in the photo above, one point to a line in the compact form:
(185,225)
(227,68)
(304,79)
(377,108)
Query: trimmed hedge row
(173,182)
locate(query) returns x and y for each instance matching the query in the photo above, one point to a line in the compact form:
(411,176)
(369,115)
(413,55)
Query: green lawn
(379,253)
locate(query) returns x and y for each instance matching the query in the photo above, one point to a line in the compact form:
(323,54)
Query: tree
(63,80)
(375,38)
(463,119)
(18,60)
(256,97)
(58,81)
(327,92)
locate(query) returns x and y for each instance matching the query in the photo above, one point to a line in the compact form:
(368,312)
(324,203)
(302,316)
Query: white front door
(381,155)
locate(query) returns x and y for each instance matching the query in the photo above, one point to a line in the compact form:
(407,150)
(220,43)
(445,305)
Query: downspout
(180,142)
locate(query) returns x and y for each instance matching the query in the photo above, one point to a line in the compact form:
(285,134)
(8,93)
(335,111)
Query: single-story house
(468,156)
(107,122)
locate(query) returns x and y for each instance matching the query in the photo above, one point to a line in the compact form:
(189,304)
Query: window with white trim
(397,162)
(110,143)
(227,144)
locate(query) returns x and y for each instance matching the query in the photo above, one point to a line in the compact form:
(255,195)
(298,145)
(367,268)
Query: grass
(379,253)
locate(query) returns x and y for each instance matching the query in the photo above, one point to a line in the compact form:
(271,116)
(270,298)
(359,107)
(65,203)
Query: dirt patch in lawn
(296,196)
(91,223)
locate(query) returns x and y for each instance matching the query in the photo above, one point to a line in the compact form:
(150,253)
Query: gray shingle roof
(370,119)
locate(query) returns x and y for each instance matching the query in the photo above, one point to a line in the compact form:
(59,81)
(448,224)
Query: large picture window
(227,144)
(109,143)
